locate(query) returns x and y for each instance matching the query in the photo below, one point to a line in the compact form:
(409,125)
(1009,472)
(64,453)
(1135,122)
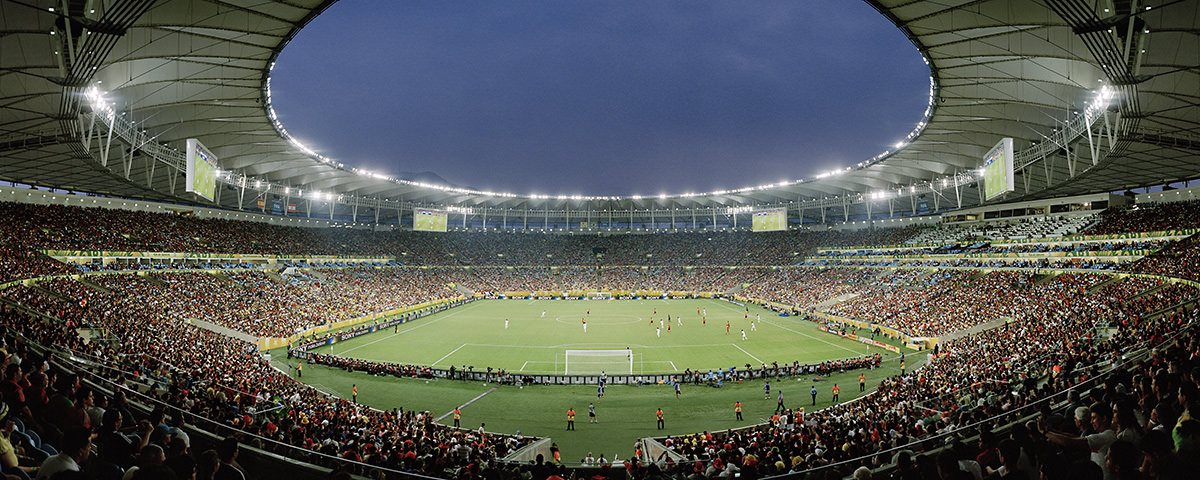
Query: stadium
(188,291)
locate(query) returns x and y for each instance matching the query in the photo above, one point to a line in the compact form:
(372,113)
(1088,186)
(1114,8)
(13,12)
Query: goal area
(594,362)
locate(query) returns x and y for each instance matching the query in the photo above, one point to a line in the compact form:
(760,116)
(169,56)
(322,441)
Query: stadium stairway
(925,275)
(1146,292)
(1044,278)
(823,306)
(999,322)
(1100,286)
(317,275)
(225,279)
(276,277)
(228,332)
(52,294)
(466,292)
(93,285)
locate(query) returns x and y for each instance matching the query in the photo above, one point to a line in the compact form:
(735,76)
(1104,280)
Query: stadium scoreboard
(429,220)
(769,220)
(201,175)
(998,177)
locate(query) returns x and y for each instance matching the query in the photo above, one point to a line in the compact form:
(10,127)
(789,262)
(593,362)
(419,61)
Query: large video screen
(201,177)
(998,170)
(769,219)
(429,220)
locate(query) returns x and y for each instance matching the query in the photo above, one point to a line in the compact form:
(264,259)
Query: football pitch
(664,336)
(475,335)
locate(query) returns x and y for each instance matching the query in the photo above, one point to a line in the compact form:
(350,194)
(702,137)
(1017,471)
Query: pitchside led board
(998,170)
(769,220)
(429,220)
(201,176)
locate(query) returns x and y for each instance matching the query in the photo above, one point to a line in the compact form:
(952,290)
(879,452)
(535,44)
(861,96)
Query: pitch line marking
(448,354)
(565,345)
(843,347)
(747,353)
(673,366)
(523,366)
(448,315)
(460,407)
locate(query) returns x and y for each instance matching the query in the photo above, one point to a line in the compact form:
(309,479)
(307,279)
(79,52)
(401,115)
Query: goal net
(587,362)
(599,296)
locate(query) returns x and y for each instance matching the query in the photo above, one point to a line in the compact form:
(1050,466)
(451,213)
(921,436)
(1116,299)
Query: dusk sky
(600,97)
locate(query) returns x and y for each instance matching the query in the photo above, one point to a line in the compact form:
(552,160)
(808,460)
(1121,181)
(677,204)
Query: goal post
(590,362)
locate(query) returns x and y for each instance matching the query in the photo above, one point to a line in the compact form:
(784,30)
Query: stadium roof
(100,97)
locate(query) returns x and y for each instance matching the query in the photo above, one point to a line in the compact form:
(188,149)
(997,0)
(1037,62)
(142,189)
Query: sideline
(780,325)
(448,315)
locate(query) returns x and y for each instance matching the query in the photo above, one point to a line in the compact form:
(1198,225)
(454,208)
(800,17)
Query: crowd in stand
(18,264)
(1148,218)
(806,287)
(1077,263)
(112,229)
(143,342)
(223,379)
(881,305)
(984,248)
(974,378)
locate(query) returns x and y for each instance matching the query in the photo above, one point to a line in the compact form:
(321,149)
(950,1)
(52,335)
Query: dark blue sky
(600,97)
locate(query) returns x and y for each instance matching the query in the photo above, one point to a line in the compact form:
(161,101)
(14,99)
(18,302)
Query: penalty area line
(673,366)
(523,366)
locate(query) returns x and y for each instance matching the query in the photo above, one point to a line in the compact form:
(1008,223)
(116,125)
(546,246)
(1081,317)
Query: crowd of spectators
(804,288)
(985,248)
(19,263)
(1152,217)
(1075,263)
(116,230)
(225,380)
(973,379)
(1049,345)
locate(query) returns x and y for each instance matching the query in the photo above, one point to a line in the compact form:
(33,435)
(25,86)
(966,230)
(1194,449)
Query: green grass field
(475,335)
